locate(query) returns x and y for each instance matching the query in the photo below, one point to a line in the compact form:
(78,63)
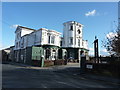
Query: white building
(73,40)
(27,37)
(49,41)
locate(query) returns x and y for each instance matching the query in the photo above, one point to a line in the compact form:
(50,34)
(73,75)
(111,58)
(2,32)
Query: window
(18,36)
(82,43)
(17,45)
(22,42)
(71,40)
(53,39)
(48,39)
(61,43)
(47,54)
(79,31)
(78,42)
(71,27)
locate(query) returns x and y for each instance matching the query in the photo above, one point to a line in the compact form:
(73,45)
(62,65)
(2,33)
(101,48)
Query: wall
(25,31)
(31,39)
(19,33)
(45,35)
(67,33)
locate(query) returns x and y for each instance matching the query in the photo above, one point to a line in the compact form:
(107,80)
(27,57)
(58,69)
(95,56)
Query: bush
(48,63)
(60,62)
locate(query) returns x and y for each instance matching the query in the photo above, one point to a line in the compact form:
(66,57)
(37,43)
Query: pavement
(65,76)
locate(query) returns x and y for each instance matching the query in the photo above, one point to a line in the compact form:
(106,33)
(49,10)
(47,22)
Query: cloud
(91,49)
(14,26)
(91,52)
(90,13)
(111,35)
(104,50)
(101,52)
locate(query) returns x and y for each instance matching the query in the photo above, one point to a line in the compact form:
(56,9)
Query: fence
(111,66)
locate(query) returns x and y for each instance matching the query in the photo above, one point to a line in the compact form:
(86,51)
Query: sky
(98,18)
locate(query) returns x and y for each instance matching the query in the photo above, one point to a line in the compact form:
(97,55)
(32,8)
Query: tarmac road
(16,76)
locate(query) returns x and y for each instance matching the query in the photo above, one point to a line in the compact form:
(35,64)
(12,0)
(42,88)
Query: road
(16,76)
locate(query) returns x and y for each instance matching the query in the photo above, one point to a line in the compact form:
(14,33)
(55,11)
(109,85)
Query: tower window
(71,40)
(79,31)
(78,42)
(61,43)
(48,39)
(71,27)
(82,43)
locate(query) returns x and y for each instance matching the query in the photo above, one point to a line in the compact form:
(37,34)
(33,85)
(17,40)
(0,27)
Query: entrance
(53,55)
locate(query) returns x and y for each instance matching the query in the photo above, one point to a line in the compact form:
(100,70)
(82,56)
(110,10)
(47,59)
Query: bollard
(42,62)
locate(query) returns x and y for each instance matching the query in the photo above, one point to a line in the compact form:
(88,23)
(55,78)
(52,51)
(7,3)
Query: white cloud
(104,50)
(91,52)
(14,26)
(90,13)
(111,35)
(91,49)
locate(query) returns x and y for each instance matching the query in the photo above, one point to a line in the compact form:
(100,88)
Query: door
(53,55)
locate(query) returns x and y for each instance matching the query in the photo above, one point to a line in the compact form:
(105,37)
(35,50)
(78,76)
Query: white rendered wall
(20,32)
(85,44)
(45,35)
(25,31)
(27,38)
(38,35)
(67,33)
(31,39)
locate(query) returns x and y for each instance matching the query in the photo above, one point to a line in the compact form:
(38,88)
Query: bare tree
(112,43)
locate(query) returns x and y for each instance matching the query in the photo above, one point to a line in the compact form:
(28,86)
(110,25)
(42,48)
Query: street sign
(89,66)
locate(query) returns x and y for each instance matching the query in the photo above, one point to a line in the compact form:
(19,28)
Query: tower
(72,34)
(73,40)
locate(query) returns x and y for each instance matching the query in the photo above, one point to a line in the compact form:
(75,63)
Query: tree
(112,43)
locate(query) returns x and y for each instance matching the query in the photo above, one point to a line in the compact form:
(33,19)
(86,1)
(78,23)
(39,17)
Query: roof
(49,30)
(25,28)
(73,22)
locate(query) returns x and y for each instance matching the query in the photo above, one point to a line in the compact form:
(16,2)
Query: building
(73,40)
(44,44)
(11,54)
(43,39)
(5,54)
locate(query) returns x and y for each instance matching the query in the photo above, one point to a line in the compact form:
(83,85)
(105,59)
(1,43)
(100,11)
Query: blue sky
(97,17)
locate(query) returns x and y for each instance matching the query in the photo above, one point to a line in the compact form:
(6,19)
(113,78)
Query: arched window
(71,27)
(79,31)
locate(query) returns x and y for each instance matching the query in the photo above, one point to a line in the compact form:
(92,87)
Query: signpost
(96,53)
